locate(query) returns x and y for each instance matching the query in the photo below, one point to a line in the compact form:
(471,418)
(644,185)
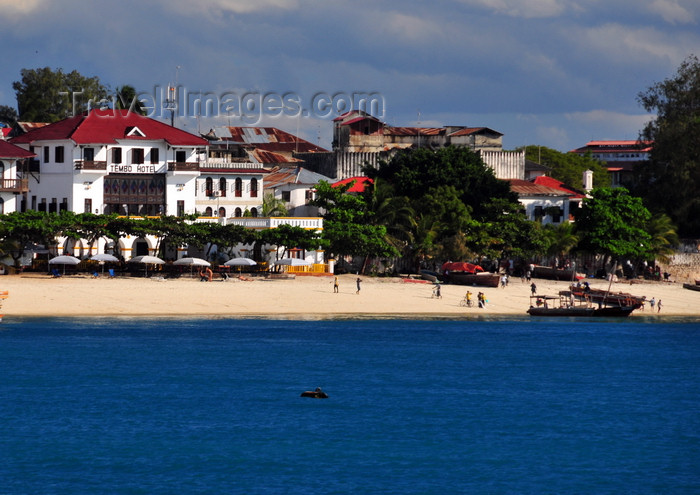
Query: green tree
(347,226)
(273,207)
(8,115)
(614,223)
(44,95)
(663,236)
(126,98)
(413,172)
(670,180)
(18,230)
(560,239)
(569,167)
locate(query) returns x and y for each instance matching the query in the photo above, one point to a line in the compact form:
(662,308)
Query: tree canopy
(44,95)
(613,223)
(569,167)
(670,180)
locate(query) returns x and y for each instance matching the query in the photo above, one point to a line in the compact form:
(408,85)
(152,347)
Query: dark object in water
(315,394)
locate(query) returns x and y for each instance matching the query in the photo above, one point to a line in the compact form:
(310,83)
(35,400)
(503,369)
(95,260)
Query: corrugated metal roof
(414,131)
(527,188)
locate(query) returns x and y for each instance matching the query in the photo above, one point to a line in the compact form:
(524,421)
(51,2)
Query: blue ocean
(502,406)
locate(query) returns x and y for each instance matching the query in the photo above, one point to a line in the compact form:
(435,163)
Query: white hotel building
(116,161)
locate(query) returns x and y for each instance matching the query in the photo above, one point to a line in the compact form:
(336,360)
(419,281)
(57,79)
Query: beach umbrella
(239,262)
(104,257)
(146,260)
(153,260)
(64,260)
(192,262)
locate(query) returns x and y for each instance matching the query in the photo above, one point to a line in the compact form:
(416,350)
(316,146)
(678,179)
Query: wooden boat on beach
(606,297)
(695,287)
(461,273)
(566,304)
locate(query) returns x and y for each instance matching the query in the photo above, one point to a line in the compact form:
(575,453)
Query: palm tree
(273,207)
(663,236)
(562,238)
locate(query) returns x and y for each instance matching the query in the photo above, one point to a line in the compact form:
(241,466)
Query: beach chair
(111,273)
(95,274)
(55,273)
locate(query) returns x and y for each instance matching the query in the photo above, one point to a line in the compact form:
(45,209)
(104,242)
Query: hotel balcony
(14,185)
(89,165)
(183,167)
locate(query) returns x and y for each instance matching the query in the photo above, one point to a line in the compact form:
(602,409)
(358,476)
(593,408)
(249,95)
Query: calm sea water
(504,406)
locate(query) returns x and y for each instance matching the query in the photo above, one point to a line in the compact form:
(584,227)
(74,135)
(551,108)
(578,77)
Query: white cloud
(233,6)
(522,8)
(607,119)
(15,8)
(629,44)
(672,12)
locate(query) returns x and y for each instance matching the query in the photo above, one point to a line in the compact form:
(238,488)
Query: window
(309,195)
(222,187)
(209,186)
(180,208)
(222,212)
(238,187)
(286,196)
(208,212)
(155,158)
(180,156)
(89,154)
(137,156)
(42,205)
(88,205)
(238,212)
(59,154)
(34,203)
(47,153)
(53,205)
(253,212)
(116,155)
(538,213)
(64,205)
(253,188)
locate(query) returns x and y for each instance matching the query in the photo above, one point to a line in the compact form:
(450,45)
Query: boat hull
(692,287)
(483,279)
(607,312)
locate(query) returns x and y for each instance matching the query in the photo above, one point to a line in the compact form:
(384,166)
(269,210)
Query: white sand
(303,297)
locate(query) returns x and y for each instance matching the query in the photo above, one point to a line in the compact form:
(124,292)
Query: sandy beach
(33,294)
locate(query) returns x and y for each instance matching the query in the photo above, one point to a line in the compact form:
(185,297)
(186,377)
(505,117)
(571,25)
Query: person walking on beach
(658,305)
(335,285)
(359,281)
(652,303)
(533,288)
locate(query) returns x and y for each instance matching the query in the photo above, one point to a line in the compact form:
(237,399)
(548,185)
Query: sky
(555,73)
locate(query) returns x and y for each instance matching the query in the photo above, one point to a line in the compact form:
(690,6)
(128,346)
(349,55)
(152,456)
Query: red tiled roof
(9,150)
(360,183)
(547,181)
(473,130)
(106,126)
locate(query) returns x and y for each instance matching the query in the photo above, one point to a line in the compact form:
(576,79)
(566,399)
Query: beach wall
(683,267)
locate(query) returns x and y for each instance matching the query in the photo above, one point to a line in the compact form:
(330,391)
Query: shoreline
(310,298)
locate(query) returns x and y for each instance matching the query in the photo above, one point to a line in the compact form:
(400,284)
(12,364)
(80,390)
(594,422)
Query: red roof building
(113,161)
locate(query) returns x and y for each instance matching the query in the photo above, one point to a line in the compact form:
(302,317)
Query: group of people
(336,285)
(480,298)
